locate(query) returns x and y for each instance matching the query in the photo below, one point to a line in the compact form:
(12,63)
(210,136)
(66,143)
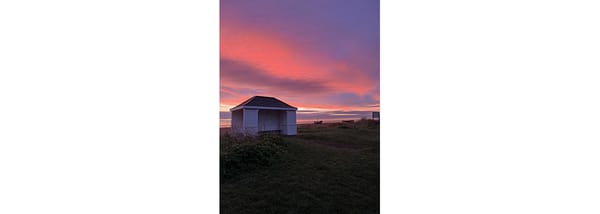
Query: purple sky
(318,55)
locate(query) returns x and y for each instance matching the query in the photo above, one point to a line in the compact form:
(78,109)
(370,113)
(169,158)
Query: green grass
(329,168)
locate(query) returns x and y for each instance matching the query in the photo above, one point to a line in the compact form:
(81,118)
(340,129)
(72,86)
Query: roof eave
(263,107)
(236,108)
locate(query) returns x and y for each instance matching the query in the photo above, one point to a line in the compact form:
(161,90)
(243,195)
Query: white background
(112,107)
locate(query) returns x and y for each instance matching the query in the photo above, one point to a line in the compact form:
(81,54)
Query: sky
(321,56)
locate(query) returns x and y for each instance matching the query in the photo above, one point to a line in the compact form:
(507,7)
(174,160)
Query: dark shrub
(271,138)
(229,138)
(367,123)
(249,156)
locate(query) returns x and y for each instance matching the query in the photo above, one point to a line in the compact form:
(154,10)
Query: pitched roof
(261,101)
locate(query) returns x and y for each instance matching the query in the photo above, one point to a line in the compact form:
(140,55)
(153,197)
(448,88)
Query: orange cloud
(277,57)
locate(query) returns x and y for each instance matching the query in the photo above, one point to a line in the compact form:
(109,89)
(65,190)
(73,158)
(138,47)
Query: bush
(367,123)
(228,138)
(272,138)
(251,155)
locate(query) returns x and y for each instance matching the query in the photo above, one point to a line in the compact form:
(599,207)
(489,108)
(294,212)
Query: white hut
(263,114)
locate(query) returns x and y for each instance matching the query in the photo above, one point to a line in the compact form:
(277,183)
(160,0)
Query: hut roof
(264,102)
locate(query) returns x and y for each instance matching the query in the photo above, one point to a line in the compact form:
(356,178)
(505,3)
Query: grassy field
(326,168)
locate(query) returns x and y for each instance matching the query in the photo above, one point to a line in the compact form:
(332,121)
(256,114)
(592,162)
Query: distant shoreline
(305,122)
(299,124)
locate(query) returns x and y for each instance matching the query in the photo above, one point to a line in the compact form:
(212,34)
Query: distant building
(263,114)
(375,115)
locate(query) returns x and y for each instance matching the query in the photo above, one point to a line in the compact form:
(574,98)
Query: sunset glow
(319,56)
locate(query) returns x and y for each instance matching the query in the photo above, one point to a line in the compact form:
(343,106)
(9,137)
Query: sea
(225,123)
